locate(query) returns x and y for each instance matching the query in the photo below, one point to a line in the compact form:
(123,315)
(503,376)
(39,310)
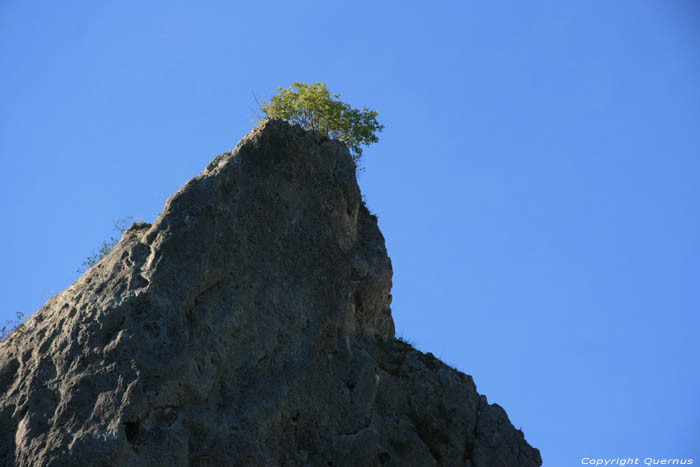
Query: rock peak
(249,325)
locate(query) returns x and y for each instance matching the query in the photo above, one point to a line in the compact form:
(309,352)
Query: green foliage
(313,107)
(12,326)
(120,226)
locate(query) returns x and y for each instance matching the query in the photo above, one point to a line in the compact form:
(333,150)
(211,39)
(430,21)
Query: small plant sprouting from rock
(405,341)
(120,226)
(12,326)
(313,107)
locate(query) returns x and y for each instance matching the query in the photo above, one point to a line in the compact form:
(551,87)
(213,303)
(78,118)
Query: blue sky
(537,181)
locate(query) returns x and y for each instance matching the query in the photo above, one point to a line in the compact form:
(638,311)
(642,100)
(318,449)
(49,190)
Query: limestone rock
(250,325)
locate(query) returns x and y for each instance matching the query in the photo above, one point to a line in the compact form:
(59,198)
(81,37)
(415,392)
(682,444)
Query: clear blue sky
(538,180)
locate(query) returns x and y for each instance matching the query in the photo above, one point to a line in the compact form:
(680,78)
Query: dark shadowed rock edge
(250,325)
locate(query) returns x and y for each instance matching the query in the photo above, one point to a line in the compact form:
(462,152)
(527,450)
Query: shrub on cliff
(108,245)
(313,107)
(12,325)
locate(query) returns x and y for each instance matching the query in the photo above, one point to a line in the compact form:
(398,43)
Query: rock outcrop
(250,325)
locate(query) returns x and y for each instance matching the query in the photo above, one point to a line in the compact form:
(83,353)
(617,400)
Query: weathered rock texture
(248,326)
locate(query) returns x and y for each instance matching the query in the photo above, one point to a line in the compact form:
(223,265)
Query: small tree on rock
(313,107)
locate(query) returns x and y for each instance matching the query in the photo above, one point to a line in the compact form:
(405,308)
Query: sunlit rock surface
(250,325)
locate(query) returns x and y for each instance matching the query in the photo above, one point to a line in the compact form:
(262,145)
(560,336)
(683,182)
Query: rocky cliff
(250,325)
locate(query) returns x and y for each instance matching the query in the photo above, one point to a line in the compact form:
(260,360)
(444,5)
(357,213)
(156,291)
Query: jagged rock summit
(250,325)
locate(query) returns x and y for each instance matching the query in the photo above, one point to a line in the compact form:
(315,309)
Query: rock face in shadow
(250,325)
